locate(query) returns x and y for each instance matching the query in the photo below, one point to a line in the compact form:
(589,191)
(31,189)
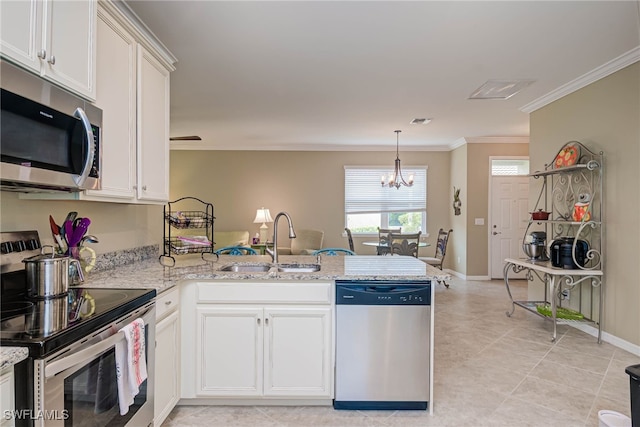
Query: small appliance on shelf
(536,248)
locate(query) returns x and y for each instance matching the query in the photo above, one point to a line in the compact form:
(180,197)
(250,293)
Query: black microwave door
(37,136)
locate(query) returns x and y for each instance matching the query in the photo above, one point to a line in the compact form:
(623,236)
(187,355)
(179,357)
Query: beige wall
(470,171)
(116,225)
(478,172)
(309,185)
(606,116)
(456,258)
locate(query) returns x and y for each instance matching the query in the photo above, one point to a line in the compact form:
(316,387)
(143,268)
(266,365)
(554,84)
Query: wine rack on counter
(188,230)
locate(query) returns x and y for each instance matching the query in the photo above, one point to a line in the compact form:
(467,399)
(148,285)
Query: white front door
(509,212)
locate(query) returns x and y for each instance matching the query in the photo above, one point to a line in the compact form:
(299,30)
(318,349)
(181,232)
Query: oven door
(78,386)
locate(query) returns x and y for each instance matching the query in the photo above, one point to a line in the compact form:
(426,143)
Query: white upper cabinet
(53,38)
(132,90)
(116,96)
(153,128)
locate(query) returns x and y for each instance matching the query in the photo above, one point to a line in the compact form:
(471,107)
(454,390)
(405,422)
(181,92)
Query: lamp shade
(262,216)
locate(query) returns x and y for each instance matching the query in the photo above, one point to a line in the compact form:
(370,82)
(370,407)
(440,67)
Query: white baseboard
(465,277)
(607,337)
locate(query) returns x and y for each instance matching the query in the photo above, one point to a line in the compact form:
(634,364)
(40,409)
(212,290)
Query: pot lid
(46,258)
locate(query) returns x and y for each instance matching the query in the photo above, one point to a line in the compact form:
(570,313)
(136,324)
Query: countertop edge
(10,356)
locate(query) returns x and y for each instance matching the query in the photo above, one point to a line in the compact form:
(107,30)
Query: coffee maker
(536,249)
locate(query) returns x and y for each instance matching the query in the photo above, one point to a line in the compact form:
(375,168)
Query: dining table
(384,248)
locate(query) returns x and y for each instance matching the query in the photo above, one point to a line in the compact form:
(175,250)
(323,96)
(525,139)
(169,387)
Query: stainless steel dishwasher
(383,340)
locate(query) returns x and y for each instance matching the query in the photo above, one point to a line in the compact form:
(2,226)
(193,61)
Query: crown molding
(489,140)
(602,71)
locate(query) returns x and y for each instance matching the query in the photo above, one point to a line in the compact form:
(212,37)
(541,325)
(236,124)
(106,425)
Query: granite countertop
(151,274)
(9,356)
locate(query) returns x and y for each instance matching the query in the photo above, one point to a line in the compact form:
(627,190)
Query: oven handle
(58,366)
(55,367)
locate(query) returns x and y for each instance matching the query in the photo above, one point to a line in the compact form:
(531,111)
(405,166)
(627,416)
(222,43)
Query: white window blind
(363,192)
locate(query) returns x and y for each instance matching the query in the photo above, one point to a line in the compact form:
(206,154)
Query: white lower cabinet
(261,341)
(264,351)
(167,368)
(7,397)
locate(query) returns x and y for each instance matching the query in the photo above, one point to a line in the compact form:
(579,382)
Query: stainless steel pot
(48,274)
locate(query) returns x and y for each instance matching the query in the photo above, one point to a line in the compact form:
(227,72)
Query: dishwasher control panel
(383,293)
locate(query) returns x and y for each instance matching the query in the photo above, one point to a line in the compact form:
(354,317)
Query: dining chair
(405,244)
(441,250)
(384,242)
(333,251)
(235,250)
(350,238)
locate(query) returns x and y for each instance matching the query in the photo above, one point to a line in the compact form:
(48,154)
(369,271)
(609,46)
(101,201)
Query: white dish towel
(131,365)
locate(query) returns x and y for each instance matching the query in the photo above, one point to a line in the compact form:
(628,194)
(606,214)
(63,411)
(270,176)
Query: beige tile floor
(490,370)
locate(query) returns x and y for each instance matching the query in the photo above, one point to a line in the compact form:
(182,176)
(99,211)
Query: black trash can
(634,384)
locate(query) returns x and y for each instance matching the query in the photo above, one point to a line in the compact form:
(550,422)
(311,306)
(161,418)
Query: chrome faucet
(292,235)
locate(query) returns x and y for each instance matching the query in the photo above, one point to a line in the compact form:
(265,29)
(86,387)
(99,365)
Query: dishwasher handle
(380,289)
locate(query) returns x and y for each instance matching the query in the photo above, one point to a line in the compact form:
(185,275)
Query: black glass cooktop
(47,325)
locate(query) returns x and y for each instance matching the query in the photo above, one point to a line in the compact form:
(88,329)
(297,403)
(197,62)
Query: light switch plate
(479,221)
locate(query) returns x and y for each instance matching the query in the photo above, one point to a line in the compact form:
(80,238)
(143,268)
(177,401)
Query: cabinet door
(297,359)
(20,32)
(116,96)
(7,396)
(229,351)
(69,34)
(153,128)
(167,388)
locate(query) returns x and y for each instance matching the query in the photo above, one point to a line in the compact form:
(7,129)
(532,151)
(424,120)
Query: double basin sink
(264,267)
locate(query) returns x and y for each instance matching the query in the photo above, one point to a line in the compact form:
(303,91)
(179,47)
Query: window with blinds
(368,205)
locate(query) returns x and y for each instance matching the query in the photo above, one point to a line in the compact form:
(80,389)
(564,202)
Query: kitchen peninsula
(254,337)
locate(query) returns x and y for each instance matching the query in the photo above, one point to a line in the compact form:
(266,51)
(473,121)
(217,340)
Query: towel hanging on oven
(131,364)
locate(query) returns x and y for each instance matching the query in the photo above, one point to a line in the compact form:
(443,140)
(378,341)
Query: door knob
(496,232)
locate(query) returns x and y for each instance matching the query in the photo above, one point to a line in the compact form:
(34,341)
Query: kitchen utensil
(48,274)
(79,232)
(540,215)
(71,216)
(55,231)
(89,238)
(68,230)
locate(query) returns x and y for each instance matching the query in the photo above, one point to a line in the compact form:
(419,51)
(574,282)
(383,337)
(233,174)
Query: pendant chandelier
(396,179)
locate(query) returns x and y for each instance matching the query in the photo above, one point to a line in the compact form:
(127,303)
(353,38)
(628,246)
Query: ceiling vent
(499,89)
(420,121)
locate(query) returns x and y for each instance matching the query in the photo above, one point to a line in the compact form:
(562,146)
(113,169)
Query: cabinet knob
(42,54)
(144,188)
(168,302)
(258,319)
(52,60)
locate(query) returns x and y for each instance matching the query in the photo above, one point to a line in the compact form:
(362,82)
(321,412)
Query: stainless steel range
(69,378)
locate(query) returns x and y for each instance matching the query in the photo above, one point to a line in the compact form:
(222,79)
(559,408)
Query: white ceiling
(323,75)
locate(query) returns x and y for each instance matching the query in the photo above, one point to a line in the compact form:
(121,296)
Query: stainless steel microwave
(49,138)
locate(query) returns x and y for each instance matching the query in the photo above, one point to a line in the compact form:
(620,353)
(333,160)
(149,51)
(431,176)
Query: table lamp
(263,216)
